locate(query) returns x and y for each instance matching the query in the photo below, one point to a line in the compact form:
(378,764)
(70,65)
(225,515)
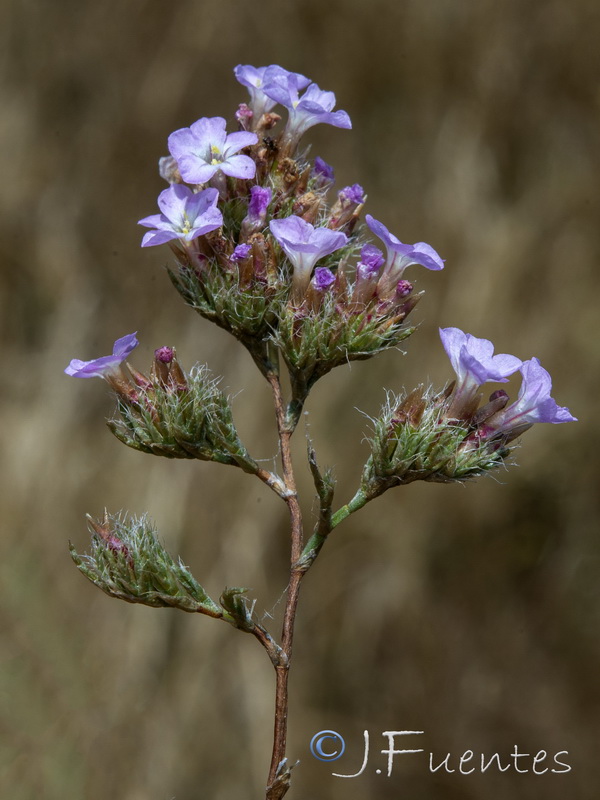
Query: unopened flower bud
(255,219)
(164,354)
(352,195)
(241,257)
(322,279)
(367,273)
(166,370)
(241,252)
(244,116)
(322,172)
(344,213)
(403,289)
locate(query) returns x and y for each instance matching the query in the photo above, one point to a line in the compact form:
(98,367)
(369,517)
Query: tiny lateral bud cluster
(178,415)
(128,561)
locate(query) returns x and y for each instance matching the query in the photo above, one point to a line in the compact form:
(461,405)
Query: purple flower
(352,194)
(371,257)
(323,170)
(474,362)
(185,215)
(304,245)
(241,252)
(313,107)
(400,256)
(106,365)
(255,78)
(367,273)
(260,198)
(205,148)
(322,279)
(534,403)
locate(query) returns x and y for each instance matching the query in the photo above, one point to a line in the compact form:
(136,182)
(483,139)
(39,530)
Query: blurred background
(470,613)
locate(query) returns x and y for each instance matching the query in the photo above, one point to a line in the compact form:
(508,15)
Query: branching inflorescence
(261,252)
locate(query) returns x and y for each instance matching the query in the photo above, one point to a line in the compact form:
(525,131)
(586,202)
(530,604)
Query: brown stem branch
(276,786)
(272,481)
(274,651)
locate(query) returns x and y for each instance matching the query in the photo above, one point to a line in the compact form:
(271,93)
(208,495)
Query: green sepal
(247,312)
(235,603)
(313,343)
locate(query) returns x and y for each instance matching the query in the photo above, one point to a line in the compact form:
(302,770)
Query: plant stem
(358,501)
(277,785)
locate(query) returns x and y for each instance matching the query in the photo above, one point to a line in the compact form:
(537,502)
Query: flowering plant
(297,280)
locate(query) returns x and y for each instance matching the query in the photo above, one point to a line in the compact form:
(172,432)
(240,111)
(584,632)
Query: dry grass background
(470,613)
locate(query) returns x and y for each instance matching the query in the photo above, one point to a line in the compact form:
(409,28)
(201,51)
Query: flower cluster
(450,436)
(262,253)
(259,250)
(128,561)
(474,363)
(168,413)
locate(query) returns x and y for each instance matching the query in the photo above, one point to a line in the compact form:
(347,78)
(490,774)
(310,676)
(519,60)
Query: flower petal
(125,345)
(172,202)
(210,131)
(159,237)
(237,141)
(239,167)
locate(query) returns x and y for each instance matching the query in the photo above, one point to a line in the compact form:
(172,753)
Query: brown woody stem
(277,788)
